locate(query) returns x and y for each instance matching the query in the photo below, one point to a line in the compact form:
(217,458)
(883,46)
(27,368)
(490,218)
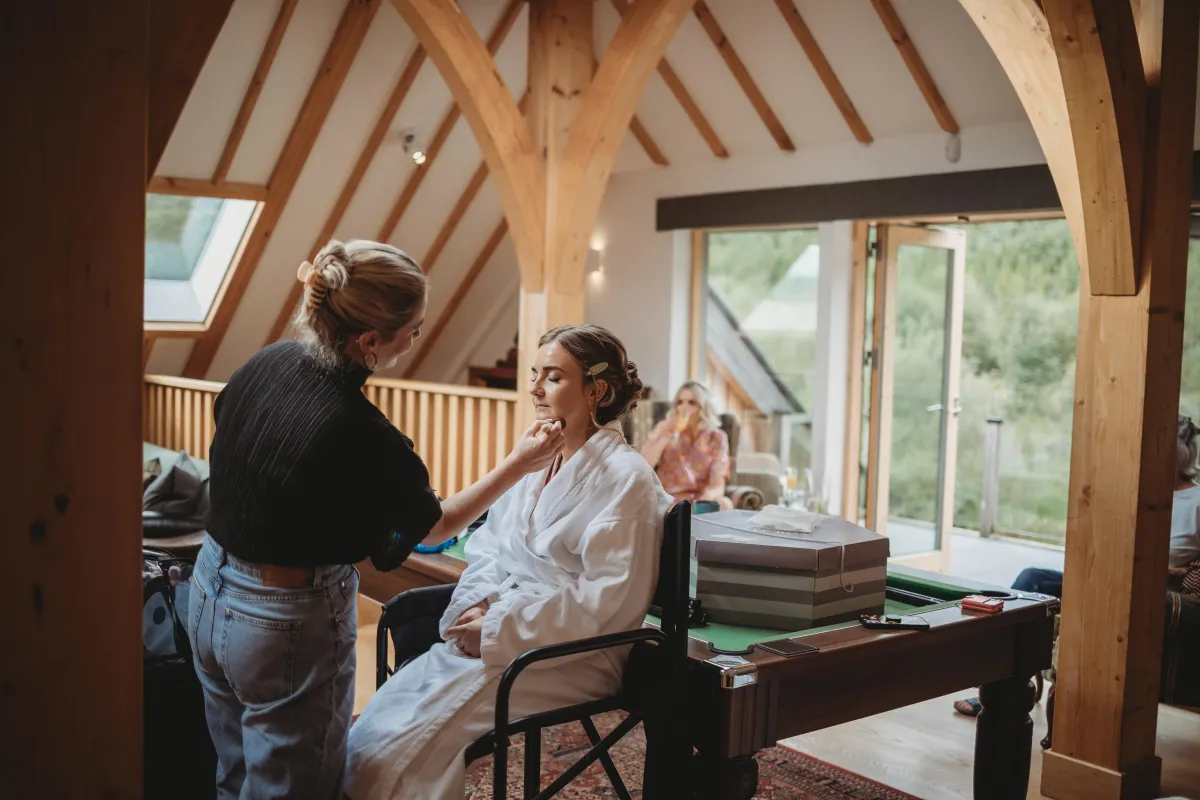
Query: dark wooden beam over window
(990,191)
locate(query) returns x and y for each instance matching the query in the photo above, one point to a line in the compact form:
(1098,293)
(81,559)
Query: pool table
(745,702)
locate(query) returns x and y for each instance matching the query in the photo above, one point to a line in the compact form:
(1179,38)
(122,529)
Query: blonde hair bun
(387,290)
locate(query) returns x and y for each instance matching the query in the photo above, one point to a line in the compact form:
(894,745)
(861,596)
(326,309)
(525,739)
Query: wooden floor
(926,750)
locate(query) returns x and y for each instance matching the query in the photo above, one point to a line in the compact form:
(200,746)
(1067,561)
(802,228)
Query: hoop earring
(595,422)
(370,360)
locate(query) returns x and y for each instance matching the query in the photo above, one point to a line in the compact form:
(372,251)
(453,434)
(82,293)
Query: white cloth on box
(559,561)
(788,520)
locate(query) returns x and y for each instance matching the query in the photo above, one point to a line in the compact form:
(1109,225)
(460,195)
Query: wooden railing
(177,413)
(460,432)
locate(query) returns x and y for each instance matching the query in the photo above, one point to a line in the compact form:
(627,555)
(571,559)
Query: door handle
(939,407)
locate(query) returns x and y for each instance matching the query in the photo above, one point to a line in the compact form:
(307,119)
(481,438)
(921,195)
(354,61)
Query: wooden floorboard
(928,750)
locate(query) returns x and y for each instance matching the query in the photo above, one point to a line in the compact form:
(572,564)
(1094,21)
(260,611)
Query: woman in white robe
(566,554)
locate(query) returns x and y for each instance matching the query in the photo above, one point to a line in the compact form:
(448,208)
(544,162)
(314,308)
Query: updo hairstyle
(591,345)
(355,287)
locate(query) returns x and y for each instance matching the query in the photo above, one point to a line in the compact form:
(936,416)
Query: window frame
(213,287)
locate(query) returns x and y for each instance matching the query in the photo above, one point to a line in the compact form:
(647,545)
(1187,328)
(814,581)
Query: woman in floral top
(688,449)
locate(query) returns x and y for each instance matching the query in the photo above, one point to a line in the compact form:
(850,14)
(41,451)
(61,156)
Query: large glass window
(761,333)
(190,244)
(1020,322)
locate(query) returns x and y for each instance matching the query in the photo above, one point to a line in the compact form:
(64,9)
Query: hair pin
(596,369)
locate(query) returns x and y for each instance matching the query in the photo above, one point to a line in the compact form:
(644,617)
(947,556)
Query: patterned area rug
(782,773)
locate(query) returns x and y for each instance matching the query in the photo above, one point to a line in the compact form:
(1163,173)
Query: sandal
(969,707)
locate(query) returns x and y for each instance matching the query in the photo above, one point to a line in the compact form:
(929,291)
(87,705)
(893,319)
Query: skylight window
(190,244)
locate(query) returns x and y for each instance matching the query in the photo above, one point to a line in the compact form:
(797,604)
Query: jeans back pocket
(259,656)
(196,601)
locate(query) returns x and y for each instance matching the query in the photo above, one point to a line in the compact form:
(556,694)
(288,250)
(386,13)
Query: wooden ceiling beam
(489,107)
(507,19)
(649,146)
(455,217)
(193,187)
(1096,45)
(608,107)
(460,293)
(265,60)
(686,101)
(460,209)
(816,57)
(382,125)
(916,65)
(742,76)
(182,33)
(331,74)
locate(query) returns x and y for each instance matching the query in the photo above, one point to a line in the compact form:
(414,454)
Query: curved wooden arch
(1076,69)
(608,106)
(1096,44)
(487,104)
(1018,34)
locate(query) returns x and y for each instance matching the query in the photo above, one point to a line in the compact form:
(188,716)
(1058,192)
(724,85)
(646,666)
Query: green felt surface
(458,549)
(737,637)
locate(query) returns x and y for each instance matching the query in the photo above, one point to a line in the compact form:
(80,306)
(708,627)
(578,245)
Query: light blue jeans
(277,668)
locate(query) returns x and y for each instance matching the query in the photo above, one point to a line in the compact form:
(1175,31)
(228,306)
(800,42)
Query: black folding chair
(651,690)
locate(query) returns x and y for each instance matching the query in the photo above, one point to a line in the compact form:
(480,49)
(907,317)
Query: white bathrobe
(558,561)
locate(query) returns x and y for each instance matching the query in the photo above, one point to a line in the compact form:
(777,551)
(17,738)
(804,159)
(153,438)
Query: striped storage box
(786,581)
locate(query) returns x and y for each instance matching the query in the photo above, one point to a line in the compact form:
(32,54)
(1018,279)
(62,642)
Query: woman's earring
(370,360)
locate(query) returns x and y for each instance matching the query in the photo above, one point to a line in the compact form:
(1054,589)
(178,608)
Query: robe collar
(549,497)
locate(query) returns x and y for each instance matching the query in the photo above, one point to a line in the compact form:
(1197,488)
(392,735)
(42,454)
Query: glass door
(917,339)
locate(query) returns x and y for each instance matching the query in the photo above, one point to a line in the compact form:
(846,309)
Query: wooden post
(560,71)
(71,669)
(852,458)
(1123,452)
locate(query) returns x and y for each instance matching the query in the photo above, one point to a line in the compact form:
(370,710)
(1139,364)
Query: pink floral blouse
(688,466)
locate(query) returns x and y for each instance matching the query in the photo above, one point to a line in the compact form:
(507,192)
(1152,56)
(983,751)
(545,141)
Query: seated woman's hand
(466,635)
(471,614)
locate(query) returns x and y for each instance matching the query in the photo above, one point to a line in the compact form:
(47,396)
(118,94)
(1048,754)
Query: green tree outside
(1020,321)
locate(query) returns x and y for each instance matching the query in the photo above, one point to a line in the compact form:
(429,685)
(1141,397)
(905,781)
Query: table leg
(1004,740)
(717,778)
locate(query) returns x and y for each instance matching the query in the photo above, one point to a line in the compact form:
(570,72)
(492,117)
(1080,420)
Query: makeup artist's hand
(537,448)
